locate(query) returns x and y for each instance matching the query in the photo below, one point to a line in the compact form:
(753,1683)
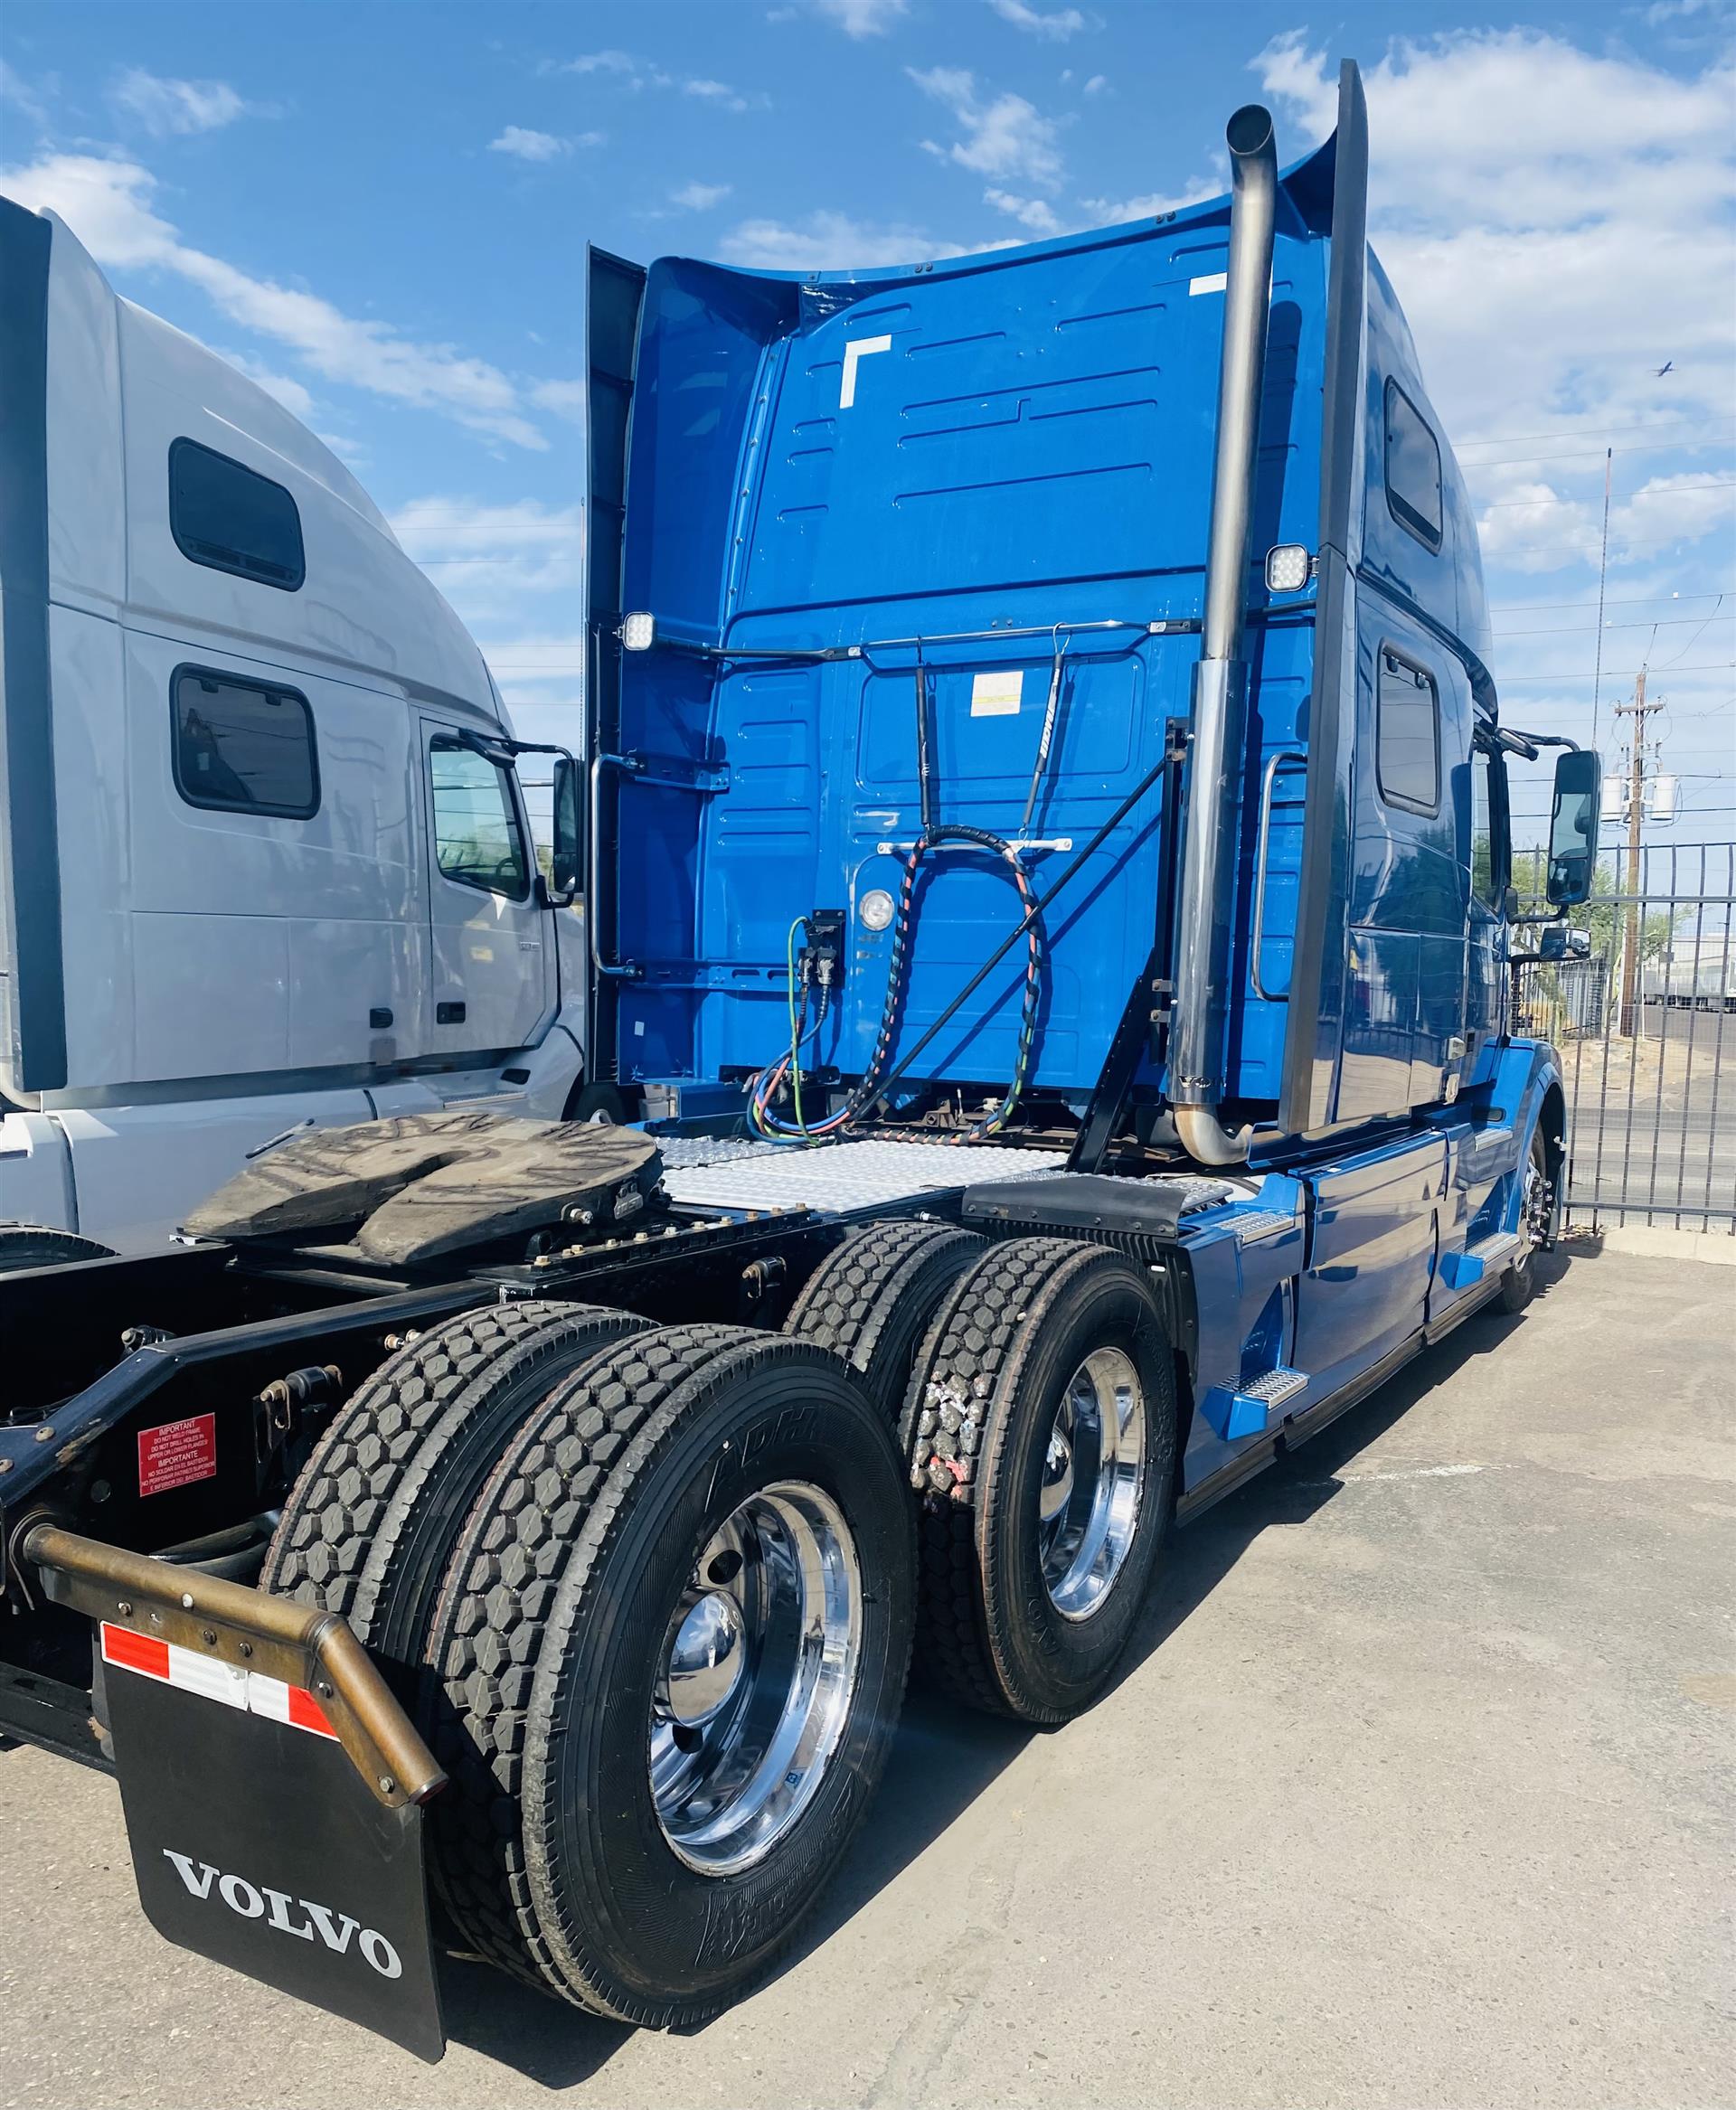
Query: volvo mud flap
(273,1787)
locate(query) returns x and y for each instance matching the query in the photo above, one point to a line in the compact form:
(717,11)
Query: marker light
(638,632)
(875,909)
(1288,567)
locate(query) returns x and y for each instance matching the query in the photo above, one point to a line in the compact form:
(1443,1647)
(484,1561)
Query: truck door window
(227,516)
(1407,740)
(243,747)
(1412,468)
(1489,853)
(476,836)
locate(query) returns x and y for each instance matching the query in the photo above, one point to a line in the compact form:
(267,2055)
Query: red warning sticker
(177,1453)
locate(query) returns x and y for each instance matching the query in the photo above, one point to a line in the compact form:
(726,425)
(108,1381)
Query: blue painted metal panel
(1371,1257)
(1030,446)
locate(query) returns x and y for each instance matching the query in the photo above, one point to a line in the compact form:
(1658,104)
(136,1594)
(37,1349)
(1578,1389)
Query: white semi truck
(265,861)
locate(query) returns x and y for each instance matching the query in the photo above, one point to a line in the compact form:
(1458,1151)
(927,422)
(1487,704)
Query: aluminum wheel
(1534,1213)
(1093,1480)
(759,1665)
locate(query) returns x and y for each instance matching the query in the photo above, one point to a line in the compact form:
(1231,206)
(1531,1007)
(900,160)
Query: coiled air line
(934,834)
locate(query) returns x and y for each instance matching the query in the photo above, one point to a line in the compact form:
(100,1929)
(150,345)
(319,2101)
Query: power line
(1672,491)
(1581,432)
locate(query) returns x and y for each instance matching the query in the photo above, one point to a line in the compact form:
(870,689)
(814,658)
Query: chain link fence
(1645,1023)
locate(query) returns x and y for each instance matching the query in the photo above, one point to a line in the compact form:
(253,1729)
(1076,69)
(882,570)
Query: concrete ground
(1415,1791)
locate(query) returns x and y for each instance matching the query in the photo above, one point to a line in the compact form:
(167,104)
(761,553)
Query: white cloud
(565,399)
(1557,223)
(17,92)
(1095,84)
(700,197)
(525,144)
(1032,212)
(621,63)
(107,205)
(1057,28)
(830,241)
(717,91)
(634,73)
(1112,211)
(166,106)
(1534,527)
(295,397)
(1007,136)
(858,18)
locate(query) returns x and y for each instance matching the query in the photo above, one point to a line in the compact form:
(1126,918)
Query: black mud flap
(255,1842)
(272,1784)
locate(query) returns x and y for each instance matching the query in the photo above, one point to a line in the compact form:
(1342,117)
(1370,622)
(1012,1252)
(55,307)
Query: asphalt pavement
(1415,1789)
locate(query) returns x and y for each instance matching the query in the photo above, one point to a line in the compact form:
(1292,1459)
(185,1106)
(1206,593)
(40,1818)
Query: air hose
(935,834)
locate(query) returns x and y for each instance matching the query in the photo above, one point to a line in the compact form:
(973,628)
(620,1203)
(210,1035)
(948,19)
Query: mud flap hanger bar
(251,1630)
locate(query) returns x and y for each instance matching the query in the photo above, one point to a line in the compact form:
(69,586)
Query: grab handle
(1258,939)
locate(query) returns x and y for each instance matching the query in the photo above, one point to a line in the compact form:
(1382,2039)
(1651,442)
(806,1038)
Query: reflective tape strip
(293,1704)
(227,1683)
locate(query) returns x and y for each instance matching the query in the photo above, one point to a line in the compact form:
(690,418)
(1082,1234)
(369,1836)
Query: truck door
(1489,874)
(491,989)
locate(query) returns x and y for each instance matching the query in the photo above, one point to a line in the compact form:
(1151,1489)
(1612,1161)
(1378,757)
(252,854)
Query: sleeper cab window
(1412,468)
(476,837)
(1406,734)
(244,747)
(229,517)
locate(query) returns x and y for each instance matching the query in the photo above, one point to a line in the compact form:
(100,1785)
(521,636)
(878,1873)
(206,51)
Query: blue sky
(381,211)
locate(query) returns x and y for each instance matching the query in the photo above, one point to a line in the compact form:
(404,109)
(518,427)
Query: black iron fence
(1646,1023)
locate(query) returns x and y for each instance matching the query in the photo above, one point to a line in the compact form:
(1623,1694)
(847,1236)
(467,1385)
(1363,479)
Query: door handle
(448,1014)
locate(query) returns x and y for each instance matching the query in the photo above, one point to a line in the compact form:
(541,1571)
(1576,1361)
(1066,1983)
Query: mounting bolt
(387,1784)
(124,1606)
(186,1600)
(208,1634)
(247,1648)
(45,1433)
(323,1689)
(5,1464)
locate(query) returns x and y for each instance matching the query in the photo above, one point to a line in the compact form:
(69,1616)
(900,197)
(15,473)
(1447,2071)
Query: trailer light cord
(934,834)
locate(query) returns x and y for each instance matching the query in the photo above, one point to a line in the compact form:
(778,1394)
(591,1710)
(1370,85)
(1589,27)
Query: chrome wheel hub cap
(759,1665)
(1093,1481)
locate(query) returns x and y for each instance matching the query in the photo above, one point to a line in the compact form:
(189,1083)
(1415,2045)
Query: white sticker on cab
(997,694)
(1212,282)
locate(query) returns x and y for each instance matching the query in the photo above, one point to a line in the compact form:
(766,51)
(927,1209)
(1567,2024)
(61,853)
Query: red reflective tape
(306,1713)
(135,1652)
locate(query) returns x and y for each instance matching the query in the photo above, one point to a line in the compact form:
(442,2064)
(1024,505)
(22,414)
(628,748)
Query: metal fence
(1646,1023)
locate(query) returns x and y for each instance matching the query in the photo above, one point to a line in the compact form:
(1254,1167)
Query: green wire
(795,1025)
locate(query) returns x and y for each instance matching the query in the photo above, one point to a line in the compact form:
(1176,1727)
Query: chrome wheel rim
(754,1682)
(1533,1214)
(1093,1481)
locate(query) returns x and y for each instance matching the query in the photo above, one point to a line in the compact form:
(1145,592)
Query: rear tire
(1040,1428)
(870,1301)
(37,1245)
(367,1529)
(629,1895)
(1519,1282)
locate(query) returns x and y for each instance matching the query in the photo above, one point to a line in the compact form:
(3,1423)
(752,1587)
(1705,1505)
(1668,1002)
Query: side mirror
(1573,827)
(567,858)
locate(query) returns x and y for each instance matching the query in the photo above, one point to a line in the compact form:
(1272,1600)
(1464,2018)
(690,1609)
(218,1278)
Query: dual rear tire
(664,1654)
(652,1592)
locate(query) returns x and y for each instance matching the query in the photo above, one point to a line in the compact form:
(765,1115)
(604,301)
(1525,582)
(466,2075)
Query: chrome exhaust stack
(1221,678)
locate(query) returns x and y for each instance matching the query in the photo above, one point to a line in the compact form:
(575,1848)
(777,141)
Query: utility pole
(1639,711)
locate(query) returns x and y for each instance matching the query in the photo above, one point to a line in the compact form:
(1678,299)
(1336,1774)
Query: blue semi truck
(1043,829)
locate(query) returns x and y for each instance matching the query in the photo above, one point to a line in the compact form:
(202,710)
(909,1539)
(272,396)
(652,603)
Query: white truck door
(492,986)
